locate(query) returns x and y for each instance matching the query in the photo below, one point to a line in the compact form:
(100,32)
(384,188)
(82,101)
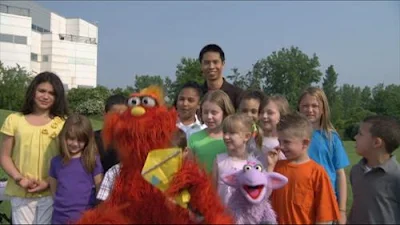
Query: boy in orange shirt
(308,198)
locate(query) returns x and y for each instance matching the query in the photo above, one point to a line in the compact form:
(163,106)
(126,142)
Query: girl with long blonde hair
(326,148)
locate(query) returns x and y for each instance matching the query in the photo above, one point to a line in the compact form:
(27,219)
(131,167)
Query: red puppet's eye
(134,101)
(148,102)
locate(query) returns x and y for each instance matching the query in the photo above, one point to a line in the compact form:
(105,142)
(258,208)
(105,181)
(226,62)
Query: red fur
(203,195)
(134,137)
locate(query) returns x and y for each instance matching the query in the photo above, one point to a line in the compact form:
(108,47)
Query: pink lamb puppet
(253,185)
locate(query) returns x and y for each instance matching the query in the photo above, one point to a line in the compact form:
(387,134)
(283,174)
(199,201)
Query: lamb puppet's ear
(276,180)
(231,179)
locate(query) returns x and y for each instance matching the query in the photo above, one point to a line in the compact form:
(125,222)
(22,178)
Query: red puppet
(148,124)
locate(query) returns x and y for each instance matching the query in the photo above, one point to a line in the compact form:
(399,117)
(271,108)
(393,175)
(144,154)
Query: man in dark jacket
(212,60)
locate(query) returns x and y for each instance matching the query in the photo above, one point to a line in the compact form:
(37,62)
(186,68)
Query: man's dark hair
(115,100)
(387,128)
(212,48)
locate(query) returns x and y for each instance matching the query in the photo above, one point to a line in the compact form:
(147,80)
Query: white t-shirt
(191,128)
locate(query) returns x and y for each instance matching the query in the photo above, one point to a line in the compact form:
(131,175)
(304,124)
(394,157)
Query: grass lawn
(349,146)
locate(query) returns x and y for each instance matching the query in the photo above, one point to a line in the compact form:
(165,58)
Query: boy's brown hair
(297,124)
(386,128)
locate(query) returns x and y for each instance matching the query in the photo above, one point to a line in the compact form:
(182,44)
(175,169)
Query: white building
(40,40)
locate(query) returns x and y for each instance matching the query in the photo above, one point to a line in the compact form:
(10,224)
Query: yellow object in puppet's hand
(159,168)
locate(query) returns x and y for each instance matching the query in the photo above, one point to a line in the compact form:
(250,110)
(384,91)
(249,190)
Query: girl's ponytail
(258,135)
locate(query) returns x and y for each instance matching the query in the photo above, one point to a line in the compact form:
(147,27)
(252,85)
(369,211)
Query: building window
(85,86)
(45,58)
(3,8)
(14,10)
(7,38)
(20,40)
(34,57)
(39,29)
(66,87)
(81,61)
(13,39)
(76,38)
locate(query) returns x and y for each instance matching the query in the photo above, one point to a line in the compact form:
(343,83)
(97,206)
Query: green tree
(352,109)
(351,99)
(88,101)
(329,84)
(245,81)
(129,89)
(143,81)
(102,91)
(125,92)
(13,84)
(386,100)
(337,116)
(117,91)
(238,79)
(352,123)
(366,98)
(287,72)
(188,69)
(91,107)
(330,89)
(169,91)
(392,102)
(378,95)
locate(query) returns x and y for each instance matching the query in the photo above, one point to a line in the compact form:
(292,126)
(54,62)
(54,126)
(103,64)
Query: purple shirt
(76,191)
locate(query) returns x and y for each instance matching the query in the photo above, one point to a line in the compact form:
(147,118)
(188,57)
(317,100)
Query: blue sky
(361,39)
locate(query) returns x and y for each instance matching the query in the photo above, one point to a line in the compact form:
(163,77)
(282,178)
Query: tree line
(287,71)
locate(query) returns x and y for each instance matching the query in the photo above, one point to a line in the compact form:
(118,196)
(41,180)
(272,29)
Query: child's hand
(26,183)
(185,153)
(272,158)
(188,154)
(32,185)
(39,185)
(343,218)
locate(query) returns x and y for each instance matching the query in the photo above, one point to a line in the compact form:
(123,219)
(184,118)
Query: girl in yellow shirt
(29,143)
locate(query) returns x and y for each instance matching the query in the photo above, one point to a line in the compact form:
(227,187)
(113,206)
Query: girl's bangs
(232,126)
(78,133)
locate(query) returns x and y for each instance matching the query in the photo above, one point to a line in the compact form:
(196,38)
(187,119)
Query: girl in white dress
(272,109)
(237,131)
